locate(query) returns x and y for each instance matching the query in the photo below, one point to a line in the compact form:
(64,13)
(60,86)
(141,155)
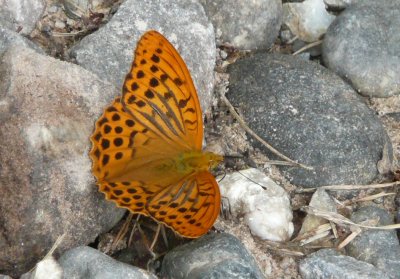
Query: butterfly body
(147,146)
(195,161)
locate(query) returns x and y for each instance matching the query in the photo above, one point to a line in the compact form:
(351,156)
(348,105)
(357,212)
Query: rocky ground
(325,94)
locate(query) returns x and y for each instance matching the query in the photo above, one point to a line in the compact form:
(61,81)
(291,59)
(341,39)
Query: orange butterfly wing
(159,93)
(190,207)
(157,119)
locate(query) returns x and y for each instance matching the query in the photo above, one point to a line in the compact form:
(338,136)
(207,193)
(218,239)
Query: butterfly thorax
(192,161)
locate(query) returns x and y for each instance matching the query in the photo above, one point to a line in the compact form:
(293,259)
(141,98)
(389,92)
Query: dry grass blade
(343,221)
(282,249)
(61,34)
(55,245)
(252,133)
(315,237)
(314,234)
(292,40)
(122,232)
(53,248)
(334,230)
(349,187)
(349,238)
(373,197)
(311,45)
(280,163)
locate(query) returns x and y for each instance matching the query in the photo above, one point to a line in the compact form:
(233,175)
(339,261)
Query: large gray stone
(47,111)
(109,51)
(378,247)
(21,15)
(89,263)
(211,256)
(245,24)
(311,115)
(362,46)
(12,39)
(328,263)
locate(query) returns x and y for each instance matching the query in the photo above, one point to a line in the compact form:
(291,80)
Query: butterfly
(147,146)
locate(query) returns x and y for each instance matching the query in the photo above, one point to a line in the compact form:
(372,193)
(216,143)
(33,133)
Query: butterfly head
(213,159)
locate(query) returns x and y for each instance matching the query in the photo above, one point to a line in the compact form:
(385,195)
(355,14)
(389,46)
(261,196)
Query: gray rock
(323,201)
(16,14)
(211,256)
(307,20)
(328,263)
(11,39)
(245,24)
(89,263)
(109,51)
(4,276)
(75,9)
(373,67)
(342,4)
(338,4)
(394,115)
(378,247)
(48,109)
(311,115)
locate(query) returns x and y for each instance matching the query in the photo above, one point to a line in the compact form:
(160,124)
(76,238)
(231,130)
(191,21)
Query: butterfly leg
(225,210)
(155,237)
(133,230)
(122,232)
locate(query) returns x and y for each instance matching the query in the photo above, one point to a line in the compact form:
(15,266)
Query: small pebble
(223,54)
(59,24)
(264,204)
(53,9)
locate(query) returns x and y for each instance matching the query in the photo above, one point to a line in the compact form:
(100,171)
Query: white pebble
(48,269)
(59,24)
(308,19)
(264,205)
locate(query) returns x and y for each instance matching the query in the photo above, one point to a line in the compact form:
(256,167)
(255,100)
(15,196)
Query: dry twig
(252,133)
(348,187)
(311,45)
(343,221)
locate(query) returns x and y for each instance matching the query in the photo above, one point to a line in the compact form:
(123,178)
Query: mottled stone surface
(88,263)
(328,263)
(108,52)
(21,15)
(373,67)
(311,115)
(10,38)
(245,24)
(211,256)
(378,247)
(47,111)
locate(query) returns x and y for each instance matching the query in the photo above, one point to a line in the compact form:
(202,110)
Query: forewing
(125,150)
(159,93)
